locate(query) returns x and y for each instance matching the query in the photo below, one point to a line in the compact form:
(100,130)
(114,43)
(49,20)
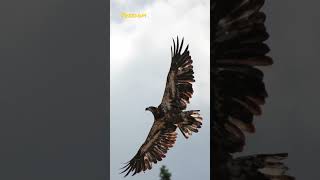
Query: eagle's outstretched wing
(238,87)
(237,48)
(161,137)
(178,88)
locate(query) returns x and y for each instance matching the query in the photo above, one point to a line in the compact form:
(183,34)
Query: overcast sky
(140,61)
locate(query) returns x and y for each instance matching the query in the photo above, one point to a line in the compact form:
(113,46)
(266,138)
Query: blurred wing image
(170,114)
(237,47)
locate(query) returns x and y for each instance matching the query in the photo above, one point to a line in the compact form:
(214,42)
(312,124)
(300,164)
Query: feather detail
(178,90)
(237,51)
(161,137)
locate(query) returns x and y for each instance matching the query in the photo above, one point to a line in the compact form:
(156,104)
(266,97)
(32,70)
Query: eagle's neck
(156,113)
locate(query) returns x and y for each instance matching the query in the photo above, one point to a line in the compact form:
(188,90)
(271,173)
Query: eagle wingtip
(177,47)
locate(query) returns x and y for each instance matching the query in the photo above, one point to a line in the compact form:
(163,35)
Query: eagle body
(170,115)
(173,117)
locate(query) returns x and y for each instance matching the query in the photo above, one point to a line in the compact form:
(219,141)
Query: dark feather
(161,137)
(178,88)
(237,45)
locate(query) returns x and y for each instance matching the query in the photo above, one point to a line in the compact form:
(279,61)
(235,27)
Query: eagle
(237,50)
(170,115)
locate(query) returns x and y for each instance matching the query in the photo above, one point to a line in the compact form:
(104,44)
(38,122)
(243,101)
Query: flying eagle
(237,48)
(170,114)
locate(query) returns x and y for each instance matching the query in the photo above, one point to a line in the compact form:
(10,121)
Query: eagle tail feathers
(191,122)
(261,166)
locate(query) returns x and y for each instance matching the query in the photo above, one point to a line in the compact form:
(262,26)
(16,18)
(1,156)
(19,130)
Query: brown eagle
(169,115)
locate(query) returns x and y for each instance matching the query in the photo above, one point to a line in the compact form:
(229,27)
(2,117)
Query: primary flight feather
(170,114)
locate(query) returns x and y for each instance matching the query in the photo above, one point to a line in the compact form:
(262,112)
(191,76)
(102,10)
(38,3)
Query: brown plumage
(237,49)
(169,115)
